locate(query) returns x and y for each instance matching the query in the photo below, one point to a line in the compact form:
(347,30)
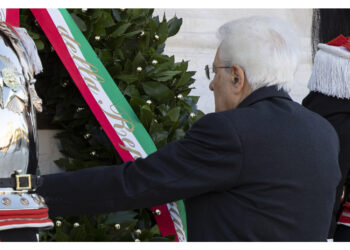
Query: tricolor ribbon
(107,103)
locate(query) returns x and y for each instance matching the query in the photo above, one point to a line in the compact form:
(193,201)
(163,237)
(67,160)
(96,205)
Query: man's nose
(211,86)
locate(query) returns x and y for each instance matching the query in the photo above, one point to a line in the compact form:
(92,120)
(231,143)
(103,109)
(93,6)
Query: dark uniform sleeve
(209,158)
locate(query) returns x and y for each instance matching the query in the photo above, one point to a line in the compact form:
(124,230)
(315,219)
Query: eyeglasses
(211,69)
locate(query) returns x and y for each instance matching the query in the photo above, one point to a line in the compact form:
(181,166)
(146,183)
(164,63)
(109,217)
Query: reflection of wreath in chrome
(2,15)
(13,93)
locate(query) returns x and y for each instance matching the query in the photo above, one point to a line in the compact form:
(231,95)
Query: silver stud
(149,102)
(42,200)
(64,84)
(138,231)
(157,212)
(80,109)
(117,226)
(76,224)
(156,37)
(179,96)
(6,201)
(93,153)
(142,33)
(24,202)
(139,69)
(154,62)
(36,200)
(97,38)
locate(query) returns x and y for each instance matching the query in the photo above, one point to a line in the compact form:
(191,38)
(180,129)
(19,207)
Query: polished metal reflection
(2,14)
(12,201)
(19,101)
(17,115)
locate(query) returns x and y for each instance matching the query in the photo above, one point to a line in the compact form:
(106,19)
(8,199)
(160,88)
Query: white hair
(266,48)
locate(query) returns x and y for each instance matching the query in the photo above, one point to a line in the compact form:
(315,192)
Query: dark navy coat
(266,171)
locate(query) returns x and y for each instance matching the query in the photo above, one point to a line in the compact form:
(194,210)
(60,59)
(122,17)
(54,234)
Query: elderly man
(261,168)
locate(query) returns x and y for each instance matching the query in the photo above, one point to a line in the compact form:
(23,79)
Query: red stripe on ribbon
(164,221)
(49,28)
(12,17)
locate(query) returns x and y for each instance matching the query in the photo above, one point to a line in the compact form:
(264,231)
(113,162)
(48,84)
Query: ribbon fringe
(330,75)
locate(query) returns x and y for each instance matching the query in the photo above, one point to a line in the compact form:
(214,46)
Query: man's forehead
(216,58)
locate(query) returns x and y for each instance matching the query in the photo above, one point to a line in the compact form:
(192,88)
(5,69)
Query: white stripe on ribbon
(174,212)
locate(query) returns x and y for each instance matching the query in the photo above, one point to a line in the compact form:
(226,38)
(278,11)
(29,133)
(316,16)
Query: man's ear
(238,77)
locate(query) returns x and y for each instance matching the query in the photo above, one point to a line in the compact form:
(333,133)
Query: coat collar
(262,94)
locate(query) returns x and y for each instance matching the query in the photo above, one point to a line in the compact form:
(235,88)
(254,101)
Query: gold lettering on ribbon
(63,32)
(121,133)
(130,142)
(138,154)
(120,124)
(88,69)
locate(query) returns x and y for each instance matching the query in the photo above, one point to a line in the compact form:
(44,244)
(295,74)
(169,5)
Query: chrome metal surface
(17,114)
(18,132)
(20,201)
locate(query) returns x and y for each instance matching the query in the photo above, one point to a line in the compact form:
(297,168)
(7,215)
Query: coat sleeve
(209,158)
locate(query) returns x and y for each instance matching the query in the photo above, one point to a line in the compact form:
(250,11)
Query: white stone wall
(197,43)
(48,152)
